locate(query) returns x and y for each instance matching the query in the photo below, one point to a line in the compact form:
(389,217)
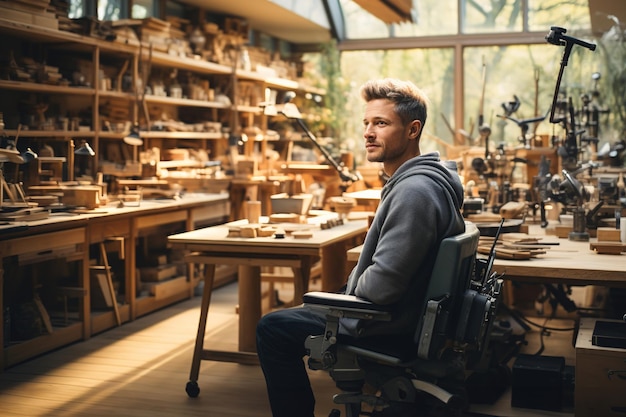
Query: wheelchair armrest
(346,305)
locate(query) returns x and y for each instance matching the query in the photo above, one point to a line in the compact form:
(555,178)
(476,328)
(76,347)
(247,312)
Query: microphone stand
(557,36)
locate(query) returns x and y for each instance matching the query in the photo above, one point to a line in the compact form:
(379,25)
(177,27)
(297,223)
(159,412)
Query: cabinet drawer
(99,232)
(61,244)
(210,213)
(142,222)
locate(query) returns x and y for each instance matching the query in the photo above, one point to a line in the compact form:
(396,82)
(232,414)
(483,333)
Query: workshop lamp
(290,111)
(10,153)
(85,149)
(134,139)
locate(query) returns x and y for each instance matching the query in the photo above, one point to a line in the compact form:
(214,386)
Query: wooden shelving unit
(90,58)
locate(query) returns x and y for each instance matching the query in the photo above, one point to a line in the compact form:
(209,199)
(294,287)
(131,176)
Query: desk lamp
(134,139)
(10,153)
(290,111)
(84,151)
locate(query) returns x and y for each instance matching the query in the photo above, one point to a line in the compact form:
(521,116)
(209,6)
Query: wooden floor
(140,369)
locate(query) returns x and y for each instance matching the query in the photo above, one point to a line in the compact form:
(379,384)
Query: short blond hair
(411,103)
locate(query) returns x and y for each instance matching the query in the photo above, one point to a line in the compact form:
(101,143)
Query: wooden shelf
(45,88)
(181,135)
(185,102)
(51,133)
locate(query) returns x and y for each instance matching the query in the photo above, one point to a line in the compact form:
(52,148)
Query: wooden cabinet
(600,376)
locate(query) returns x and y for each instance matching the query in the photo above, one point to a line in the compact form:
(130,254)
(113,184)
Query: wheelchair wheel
(192,389)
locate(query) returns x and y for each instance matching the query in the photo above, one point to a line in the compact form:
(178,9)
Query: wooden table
(369,198)
(212,246)
(569,262)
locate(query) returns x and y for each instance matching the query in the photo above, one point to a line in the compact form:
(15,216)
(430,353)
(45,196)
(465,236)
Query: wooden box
(168,288)
(158,273)
(608,234)
(600,376)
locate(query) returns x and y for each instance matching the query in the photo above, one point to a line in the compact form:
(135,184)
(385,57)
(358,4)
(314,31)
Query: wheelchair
(426,377)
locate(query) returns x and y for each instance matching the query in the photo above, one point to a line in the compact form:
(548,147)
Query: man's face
(386,137)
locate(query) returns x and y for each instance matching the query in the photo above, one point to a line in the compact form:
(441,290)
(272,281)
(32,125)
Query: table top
(569,262)
(215,238)
(65,219)
(371,194)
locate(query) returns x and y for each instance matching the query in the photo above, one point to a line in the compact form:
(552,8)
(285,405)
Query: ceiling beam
(389,11)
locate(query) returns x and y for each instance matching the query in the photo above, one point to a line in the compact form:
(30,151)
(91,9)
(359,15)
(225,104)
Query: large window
(454,45)
(525,75)
(430,69)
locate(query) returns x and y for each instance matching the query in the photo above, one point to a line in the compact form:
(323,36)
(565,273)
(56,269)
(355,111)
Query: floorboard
(141,368)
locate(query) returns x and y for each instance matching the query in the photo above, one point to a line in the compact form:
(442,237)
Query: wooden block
(266,231)
(248,231)
(168,288)
(608,248)
(608,234)
(512,210)
(159,273)
(523,228)
(304,234)
(562,230)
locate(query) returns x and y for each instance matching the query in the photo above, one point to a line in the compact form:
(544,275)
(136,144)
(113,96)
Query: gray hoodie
(420,205)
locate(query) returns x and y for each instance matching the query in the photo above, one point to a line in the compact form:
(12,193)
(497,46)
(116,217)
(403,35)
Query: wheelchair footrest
(358,398)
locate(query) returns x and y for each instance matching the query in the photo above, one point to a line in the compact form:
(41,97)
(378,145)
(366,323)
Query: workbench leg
(209,275)
(249,306)
(334,259)
(301,277)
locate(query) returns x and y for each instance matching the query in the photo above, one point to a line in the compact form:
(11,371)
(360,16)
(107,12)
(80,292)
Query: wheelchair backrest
(451,277)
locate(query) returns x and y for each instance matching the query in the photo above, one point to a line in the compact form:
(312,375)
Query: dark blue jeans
(280,337)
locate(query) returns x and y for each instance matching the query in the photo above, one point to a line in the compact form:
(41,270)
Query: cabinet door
(45,302)
(600,384)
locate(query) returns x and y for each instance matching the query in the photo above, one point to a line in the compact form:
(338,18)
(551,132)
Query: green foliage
(330,119)
(613,51)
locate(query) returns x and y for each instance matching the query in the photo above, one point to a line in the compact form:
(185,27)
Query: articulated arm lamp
(290,111)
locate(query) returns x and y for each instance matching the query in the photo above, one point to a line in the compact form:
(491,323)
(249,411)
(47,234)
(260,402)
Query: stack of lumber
(61,10)
(155,32)
(514,246)
(32,12)
(179,44)
(124,32)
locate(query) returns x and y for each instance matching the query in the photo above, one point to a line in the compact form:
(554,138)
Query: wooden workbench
(69,235)
(569,262)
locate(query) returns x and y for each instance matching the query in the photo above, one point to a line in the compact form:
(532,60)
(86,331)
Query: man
(420,205)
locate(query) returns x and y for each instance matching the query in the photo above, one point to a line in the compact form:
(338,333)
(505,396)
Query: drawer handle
(618,373)
(45,252)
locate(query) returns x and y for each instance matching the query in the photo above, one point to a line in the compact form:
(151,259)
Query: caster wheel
(192,389)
